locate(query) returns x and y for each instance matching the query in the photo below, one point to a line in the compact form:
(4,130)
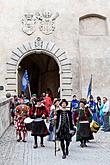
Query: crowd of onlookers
(100,110)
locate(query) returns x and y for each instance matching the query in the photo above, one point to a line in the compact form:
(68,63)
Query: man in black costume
(64,127)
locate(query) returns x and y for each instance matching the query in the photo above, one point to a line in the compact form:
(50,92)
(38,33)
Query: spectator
(92,105)
(106,109)
(74,107)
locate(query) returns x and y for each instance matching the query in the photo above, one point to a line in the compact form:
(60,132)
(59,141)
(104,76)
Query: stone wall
(81,30)
(4,115)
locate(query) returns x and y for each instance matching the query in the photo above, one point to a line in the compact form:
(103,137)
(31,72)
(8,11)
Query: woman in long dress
(83,124)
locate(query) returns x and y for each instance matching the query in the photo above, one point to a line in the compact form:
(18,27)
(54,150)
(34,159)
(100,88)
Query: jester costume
(20,114)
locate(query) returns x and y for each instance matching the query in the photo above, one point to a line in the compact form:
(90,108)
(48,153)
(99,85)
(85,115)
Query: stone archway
(39,46)
(43,74)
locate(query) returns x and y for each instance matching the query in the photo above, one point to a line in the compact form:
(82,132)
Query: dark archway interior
(43,73)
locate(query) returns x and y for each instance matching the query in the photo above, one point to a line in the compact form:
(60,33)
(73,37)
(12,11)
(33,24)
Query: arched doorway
(43,73)
(54,55)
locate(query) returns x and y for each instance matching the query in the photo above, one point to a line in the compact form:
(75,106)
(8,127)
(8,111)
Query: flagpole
(29,89)
(89,87)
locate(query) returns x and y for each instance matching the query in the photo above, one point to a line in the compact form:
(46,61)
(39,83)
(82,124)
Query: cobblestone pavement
(19,153)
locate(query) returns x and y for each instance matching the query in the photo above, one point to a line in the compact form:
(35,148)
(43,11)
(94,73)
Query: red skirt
(20,126)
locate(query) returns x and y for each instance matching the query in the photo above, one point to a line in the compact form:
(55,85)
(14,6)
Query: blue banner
(25,81)
(89,87)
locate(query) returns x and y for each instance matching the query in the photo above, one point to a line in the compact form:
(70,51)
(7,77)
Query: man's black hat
(55,100)
(64,100)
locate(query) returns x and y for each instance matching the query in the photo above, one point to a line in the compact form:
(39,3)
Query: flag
(25,81)
(89,87)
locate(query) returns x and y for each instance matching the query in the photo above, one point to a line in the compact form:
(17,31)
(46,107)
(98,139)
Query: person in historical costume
(12,105)
(64,127)
(92,105)
(74,108)
(52,126)
(33,99)
(48,103)
(38,113)
(42,97)
(83,123)
(50,93)
(20,114)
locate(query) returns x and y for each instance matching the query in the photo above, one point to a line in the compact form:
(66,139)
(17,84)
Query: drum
(28,123)
(94,126)
(39,128)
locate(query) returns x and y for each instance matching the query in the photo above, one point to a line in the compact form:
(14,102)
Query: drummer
(21,113)
(38,112)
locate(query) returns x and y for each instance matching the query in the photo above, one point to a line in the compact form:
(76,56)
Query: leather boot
(67,152)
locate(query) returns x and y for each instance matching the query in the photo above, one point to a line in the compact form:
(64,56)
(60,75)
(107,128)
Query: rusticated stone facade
(64,40)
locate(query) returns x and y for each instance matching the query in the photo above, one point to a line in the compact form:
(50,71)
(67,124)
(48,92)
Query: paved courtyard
(14,153)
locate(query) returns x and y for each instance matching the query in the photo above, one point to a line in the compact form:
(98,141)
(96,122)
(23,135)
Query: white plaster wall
(66,36)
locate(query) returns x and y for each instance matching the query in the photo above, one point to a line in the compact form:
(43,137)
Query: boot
(35,142)
(35,146)
(67,152)
(64,154)
(42,142)
(67,146)
(82,144)
(20,138)
(63,149)
(85,145)
(42,145)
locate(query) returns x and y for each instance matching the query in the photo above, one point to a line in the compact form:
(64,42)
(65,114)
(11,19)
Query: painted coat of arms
(47,25)
(28,23)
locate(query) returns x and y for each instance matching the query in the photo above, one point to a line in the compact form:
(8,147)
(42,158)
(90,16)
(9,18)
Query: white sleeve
(52,107)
